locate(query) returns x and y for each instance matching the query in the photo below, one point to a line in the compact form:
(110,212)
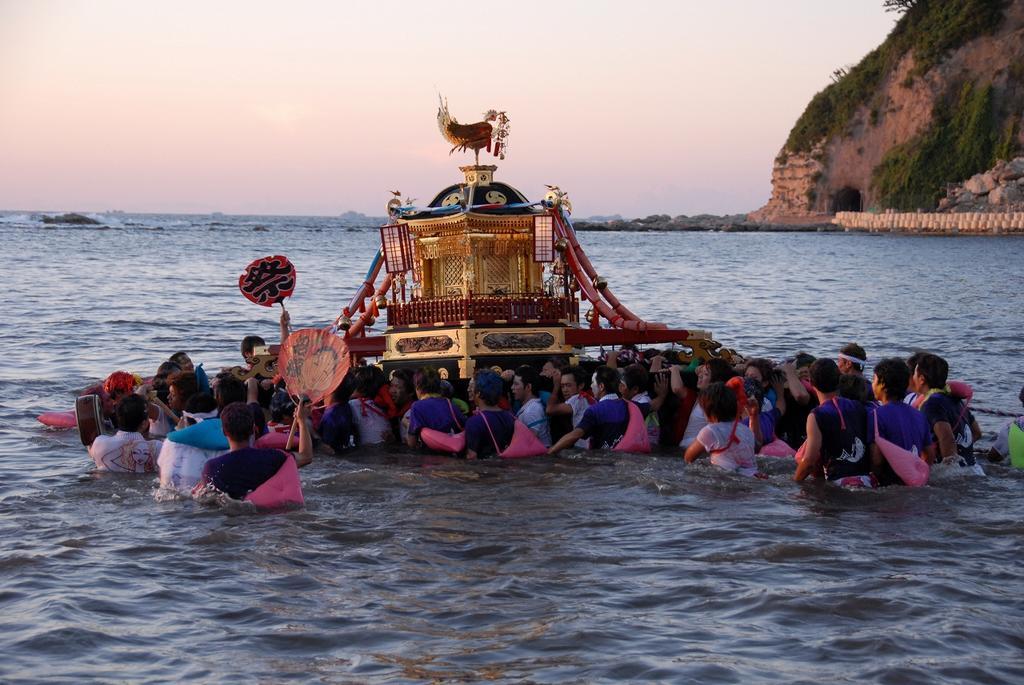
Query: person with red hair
(116,386)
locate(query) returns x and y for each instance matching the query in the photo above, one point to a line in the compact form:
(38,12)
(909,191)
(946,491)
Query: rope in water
(994,412)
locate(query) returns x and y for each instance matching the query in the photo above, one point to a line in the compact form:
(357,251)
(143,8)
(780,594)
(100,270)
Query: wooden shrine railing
(487,309)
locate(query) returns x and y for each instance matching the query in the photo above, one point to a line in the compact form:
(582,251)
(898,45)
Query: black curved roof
(480,196)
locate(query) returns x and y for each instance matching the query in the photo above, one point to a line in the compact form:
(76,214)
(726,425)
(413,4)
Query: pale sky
(635,108)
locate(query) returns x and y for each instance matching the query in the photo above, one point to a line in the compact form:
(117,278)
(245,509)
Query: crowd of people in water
(227,436)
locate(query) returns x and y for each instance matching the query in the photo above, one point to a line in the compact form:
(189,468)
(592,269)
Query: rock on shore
(71,218)
(738,223)
(999,188)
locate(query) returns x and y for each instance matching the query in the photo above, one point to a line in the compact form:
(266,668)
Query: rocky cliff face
(905,102)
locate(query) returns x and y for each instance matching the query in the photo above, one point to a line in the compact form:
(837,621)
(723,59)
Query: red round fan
(267,281)
(313,361)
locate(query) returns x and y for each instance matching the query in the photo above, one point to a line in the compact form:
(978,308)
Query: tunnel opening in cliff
(847,200)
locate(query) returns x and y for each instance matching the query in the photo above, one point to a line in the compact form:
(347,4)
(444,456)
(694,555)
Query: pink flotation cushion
(524,443)
(912,469)
(635,439)
(777,448)
(58,419)
(961,390)
(443,442)
(276,441)
(281,490)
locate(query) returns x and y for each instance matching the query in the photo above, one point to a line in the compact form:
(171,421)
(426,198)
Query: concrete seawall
(974,223)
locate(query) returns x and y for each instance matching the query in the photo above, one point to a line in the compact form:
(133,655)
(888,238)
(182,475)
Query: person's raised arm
(305,453)
(661,388)
(252,391)
(779,385)
(285,320)
(675,376)
(556,404)
(793,384)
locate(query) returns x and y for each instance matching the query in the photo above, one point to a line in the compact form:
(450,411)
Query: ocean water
(590,568)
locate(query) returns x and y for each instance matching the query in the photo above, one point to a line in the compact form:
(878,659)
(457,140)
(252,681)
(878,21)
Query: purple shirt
(336,426)
(437,413)
(941,407)
(843,442)
(478,439)
(605,422)
(239,472)
(902,425)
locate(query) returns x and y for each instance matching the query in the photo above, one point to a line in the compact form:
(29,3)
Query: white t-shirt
(181,465)
(738,457)
(162,424)
(370,422)
(579,406)
(536,419)
(697,422)
(126,452)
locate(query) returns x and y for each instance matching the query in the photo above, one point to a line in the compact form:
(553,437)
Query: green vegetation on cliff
(930,28)
(962,140)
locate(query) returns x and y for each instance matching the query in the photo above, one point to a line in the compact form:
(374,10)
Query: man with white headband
(851,359)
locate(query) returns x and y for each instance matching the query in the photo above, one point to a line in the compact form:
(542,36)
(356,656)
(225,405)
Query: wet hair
(166,369)
(404,376)
(578,373)
(427,381)
(608,378)
(560,363)
(825,375)
(489,386)
(131,411)
(718,401)
(281,405)
(1021,396)
(367,383)
(763,366)
(855,350)
(913,359)
(343,392)
(447,389)
(200,403)
(119,383)
(229,389)
(236,421)
(635,377)
(250,342)
(934,369)
(719,370)
(179,357)
(529,376)
(803,359)
(689,379)
(854,387)
(160,379)
(184,382)
(894,376)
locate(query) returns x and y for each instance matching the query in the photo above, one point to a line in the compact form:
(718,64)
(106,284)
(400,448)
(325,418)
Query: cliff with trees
(940,101)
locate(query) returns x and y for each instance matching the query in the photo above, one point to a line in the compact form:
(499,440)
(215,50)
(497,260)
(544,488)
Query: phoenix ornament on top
(476,136)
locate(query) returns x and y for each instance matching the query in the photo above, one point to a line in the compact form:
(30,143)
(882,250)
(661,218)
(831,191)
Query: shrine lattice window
(397,246)
(543,239)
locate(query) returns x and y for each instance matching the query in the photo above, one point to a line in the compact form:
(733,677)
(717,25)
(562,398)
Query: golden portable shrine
(483,277)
